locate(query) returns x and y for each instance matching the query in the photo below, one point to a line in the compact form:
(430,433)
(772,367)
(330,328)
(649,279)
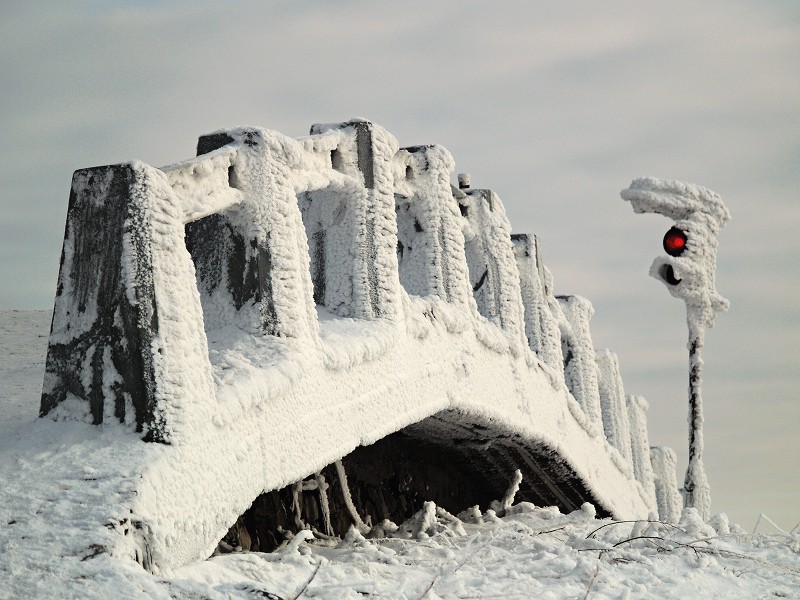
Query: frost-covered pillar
(612,402)
(127,339)
(541,327)
(430,242)
(251,258)
(580,367)
(375,284)
(640,442)
(493,272)
(668,498)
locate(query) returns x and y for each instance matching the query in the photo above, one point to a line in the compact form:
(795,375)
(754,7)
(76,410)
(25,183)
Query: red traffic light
(675,241)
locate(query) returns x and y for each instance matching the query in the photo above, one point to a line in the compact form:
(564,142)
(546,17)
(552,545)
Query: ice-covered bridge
(327,309)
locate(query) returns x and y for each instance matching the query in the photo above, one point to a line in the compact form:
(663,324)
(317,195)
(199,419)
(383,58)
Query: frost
(508,500)
(669,501)
(612,403)
(640,444)
(580,367)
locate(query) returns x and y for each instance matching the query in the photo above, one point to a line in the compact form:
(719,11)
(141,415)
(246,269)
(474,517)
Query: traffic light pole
(696,490)
(688,271)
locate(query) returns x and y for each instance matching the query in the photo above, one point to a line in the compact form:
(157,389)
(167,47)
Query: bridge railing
(258,231)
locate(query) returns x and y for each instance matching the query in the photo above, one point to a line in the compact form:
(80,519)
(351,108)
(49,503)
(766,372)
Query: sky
(555,106)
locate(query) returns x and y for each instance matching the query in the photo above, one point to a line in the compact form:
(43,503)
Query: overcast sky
(554,105)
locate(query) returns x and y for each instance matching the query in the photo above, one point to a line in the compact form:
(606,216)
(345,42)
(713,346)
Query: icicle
(348,499)
(297,505)
(508,499)
(322,486)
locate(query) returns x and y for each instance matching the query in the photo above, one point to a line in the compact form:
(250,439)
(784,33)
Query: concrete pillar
(640,443)
(612,403)
(493,272)
(668,498)
(366,151)
(430,242)
(541,327)
(580,367)
(127,334)
(251,259)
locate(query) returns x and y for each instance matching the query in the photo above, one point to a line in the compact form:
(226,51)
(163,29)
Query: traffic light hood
(677,200)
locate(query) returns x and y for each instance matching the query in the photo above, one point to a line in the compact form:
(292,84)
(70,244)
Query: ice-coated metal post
(696,491)
(689,273)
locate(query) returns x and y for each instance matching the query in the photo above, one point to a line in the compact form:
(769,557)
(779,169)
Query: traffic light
(674,244)
(675,241)
(688,268)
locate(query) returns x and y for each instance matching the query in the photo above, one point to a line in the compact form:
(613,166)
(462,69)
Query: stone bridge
(278,315)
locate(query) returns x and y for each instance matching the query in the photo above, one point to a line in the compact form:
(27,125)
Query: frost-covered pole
(689,274)
(696,491)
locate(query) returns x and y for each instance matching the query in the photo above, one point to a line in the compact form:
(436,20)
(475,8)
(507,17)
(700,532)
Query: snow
(580,366)
(202,183)
(541,326)
(528,552)
(640,444)
(61,479)
(23,346)
(612,402)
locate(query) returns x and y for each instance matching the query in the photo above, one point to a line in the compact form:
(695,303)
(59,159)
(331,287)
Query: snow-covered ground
(23,347)
(528,553)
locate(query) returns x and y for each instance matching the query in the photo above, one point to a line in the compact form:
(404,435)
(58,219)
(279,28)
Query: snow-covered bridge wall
(267,307)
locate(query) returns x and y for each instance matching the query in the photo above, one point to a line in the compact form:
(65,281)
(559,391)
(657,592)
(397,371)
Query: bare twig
(552,530)
(639,537)
(731,554)
(310,579)
(670,545)
(636,521)
(591,581)
(436,577)
(775,525)
(430,586)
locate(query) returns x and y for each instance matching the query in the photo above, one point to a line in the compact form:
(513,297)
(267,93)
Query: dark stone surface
(212,141)
(546,479)
(221,253)
(93,313)
(220,257)
(366,161)
(318,266)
